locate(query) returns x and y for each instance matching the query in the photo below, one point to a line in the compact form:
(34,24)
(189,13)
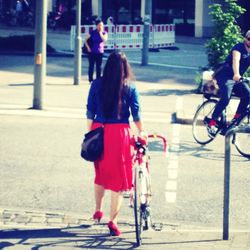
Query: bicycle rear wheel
(242,140)
(137,209)
(199,126)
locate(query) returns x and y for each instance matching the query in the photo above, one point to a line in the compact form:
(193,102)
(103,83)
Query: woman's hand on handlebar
(143,134)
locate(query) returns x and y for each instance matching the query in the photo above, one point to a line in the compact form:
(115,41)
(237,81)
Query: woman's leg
(98,65)
(99,197)
(91,66)
(116,202)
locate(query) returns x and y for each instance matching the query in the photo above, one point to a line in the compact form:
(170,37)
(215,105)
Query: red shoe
(114,231)
(97,216)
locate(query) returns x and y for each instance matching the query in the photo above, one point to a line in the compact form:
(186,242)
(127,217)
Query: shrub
(226,31)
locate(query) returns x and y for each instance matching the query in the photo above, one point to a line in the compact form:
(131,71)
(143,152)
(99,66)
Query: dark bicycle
(203,116)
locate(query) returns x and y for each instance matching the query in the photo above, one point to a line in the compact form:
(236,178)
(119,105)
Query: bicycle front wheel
(242,140)
(199,127)
(137,204)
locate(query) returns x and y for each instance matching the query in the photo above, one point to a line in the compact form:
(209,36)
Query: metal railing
(130,36)
(227,165)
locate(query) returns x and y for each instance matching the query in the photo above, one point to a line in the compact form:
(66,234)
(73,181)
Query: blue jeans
(241,90)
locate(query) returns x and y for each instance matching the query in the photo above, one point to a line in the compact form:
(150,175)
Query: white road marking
(171,184)
(172,174)
(170,196)
(74,113)
(166,65)
(173,164)
(179,103)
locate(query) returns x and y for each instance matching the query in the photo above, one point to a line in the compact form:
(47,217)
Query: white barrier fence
(130,36)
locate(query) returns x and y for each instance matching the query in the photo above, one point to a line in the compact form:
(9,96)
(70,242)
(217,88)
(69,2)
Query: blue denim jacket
(130,103)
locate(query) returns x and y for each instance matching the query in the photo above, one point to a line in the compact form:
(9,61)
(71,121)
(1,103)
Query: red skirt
(114,170)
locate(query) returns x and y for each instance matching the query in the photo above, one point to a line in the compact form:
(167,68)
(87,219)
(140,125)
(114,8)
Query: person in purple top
(95,46)
(228,78)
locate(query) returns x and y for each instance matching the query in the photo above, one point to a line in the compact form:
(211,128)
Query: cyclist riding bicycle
(228,77)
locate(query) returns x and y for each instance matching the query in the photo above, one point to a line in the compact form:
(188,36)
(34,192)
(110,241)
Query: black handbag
(93,144)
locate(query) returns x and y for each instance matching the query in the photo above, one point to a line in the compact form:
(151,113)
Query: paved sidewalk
(25,229)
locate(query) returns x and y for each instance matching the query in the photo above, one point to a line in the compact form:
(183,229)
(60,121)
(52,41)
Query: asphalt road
(39,154)
(41,169)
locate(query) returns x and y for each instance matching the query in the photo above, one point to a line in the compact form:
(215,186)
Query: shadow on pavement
(202,151)
(155,146)
(185,242)
(20,84)
(166,92)
(83,236)
(86,238)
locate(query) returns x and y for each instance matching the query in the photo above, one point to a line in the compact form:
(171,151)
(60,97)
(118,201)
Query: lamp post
(146,32)
(78,45)
(40,53)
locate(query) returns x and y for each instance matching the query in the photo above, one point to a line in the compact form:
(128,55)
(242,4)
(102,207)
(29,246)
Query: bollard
(227,163)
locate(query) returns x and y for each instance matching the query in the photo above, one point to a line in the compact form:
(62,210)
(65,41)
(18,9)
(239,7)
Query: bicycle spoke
(137,210)
(199,127)
(242,140)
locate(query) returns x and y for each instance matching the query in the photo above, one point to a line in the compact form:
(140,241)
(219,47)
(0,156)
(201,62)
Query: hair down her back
(116,75)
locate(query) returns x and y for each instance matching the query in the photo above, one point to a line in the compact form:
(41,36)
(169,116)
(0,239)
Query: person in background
(111,100)
(228,78)
(95,46)
(110,20)
(19,12)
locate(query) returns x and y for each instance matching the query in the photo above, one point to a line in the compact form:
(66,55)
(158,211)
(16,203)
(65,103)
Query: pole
(226,200)
(78,45)
(227,165)
(40,54)
(146,32)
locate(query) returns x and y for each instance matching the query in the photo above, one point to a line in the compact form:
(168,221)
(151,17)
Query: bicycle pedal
(126,194)
(206,120)
(157,226)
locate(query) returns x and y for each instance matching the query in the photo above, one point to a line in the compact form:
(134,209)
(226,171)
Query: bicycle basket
(210,87)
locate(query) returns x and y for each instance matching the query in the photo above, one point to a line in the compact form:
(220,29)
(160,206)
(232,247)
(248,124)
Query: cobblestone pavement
(28,229)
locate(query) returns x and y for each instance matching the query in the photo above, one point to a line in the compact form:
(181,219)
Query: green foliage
(226,32)
(198,78)
(198,81)
(247,74)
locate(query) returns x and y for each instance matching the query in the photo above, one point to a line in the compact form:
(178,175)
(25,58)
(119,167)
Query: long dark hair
(116,75)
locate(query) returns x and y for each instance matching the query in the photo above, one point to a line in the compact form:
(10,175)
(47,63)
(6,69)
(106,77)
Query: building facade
(191,17)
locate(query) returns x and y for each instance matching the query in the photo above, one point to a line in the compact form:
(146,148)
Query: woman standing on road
(110,101)
(95,46)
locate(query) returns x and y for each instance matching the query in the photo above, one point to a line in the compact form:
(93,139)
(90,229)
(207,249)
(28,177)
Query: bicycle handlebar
(164,140)
(243,79)
(142,141)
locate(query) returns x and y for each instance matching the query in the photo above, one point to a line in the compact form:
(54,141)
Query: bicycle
(140,196)
(203,116)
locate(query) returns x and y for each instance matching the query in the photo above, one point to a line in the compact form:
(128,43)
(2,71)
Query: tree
(226,31)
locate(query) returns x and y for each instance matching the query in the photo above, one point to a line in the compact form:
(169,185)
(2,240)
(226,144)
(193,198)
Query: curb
(16,218)
(76,113)
(181,118)
(11,218)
